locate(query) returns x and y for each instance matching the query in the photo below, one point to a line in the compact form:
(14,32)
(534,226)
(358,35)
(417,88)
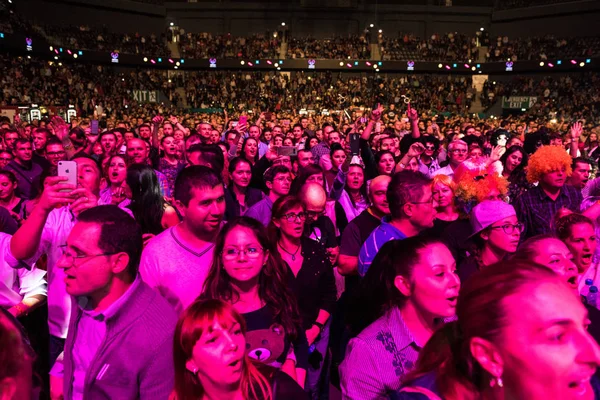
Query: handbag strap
(417,389)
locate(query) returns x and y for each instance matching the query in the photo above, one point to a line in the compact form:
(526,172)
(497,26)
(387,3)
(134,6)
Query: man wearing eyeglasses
(412,211)
(278,180)
(457,153)
(120,337)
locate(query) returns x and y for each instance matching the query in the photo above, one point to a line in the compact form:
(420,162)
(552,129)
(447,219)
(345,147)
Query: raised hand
(497,153)
(576,130)
(415,150)
(158,120)
(54,193)
(412,114)
(61,128)
(376,113)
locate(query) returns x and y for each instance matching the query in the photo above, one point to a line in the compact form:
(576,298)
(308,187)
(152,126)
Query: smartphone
(234,124)
(243,120)
(94,125)
(286,151)
(364,120)
(354,144)
(68,169)
(268,116)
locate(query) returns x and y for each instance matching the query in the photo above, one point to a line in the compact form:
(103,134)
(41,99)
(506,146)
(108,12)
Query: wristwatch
(319,325)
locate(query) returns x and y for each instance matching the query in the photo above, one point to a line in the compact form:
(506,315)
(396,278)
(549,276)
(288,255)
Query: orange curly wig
(475,182)
(548,159)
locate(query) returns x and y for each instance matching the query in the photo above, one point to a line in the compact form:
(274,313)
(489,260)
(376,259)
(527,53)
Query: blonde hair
(548,159)
(445,180)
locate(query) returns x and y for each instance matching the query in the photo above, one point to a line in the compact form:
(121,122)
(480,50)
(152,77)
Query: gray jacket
(135,359)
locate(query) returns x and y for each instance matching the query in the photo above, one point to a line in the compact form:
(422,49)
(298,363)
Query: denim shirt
(378,358)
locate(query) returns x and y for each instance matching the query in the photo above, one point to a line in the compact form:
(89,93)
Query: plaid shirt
(536,210)
(320,150)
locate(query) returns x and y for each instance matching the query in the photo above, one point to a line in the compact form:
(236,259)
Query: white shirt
(447,170)
(16,284)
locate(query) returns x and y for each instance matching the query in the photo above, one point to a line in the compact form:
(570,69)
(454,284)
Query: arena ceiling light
(145,59)
(276,65)
(440,65)
(551,65)
(371,26)
(473,68)
(542,64)
(283,24)
(582,64)
(242,62)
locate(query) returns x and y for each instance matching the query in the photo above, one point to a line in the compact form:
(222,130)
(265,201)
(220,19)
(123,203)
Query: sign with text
(521,102)
(145,96)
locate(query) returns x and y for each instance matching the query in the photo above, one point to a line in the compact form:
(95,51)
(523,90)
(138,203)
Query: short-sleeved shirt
(357,232)
(380,236)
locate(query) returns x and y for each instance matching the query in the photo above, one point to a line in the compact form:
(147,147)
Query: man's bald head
(314,198)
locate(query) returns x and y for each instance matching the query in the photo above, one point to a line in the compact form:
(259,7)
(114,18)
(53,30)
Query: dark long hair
(147,202)
(520,168)
(377,293)
(303,175)
(481,314)
(243,154)
(273,287)
(280,208)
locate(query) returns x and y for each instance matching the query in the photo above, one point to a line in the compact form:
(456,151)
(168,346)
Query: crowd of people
(353,47)
(447,47)
(542,48)
(207,45)
(388,252)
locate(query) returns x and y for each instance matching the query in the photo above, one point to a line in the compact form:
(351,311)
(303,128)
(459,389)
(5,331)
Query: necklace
(291,254)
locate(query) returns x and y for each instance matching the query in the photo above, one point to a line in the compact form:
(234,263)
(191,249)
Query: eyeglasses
(283,179)
(461,151)
(510,228)
(430,201)
(291,217)
(231,253)
(70,258)
(430,147)
(55,153)
(315,214)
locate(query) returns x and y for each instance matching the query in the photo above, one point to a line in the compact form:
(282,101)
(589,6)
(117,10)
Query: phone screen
(94,127)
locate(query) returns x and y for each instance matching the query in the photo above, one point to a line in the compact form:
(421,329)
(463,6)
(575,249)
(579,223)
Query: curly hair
(474,184)
(548,159)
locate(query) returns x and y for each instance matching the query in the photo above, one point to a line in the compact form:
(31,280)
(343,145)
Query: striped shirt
(380,236)
(378,358)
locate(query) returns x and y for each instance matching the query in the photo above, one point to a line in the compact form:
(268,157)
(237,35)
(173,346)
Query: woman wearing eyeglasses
(496,234)
(314,282)
(248,273)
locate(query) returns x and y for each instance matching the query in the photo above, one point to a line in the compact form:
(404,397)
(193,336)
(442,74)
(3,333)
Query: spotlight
(249,64)
(582,64)
(276,65)
(371,26)
(242,62)
(341,63)
(278,68)
(51,48)
(74,55)
(473,68)
(145,59)
(381,31)
(551,65)
(178,63)
(542,64)
(440,65)
(283,24)
(172,24)
(573,62)
(481,29)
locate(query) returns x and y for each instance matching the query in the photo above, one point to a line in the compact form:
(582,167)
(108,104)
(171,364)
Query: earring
(195,371)
(496,381)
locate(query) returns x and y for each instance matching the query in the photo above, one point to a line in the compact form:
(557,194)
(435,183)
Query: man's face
(254,132)
(304,123)
(377,193)
(313,211)
(286,161)
(305,158)
(281,184)
(424,212)
(145,132)
(55,153)
(326,131)
(387,144)
(205,211)
(277,130)
(23,151)
(108,142)
(458,153)
(581,175)
(556,142)
(5,158)
(470,131)
(555,179)
(39,140)
(205,130)
(520,130)
(91,274)
(514,142)
(136,150)
(10,138)
(168,130)
(215,136)
(88,174)
(231,139)
(334,137)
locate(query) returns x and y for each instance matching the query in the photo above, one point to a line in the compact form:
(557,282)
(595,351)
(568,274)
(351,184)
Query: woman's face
(593,137)
(292,223)
(178,135)
(338,158)
(242,174)
(268,135)
(97,149)
(316,178)
(170,146)
(278,141)
(288,142)
(555,255)
(313,142)
(117,171)
(546,350)
(129,136)
(504,235)
(386,164)
(434,282)
(218,355)
(251,148)
(582,243)
(356,178)
(513,161)
(245,266)
(413,165)
(442,195)
(7,188)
